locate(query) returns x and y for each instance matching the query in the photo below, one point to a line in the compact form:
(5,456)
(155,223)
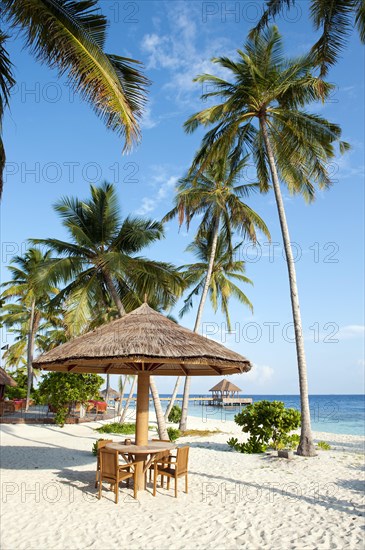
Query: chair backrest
(102,443)
(182,457)
(109,463)
(161,455)
(162,440)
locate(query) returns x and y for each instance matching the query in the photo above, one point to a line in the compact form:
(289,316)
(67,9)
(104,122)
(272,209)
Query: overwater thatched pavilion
(226,393)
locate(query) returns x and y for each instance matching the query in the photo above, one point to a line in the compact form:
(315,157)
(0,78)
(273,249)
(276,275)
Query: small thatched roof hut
(5,380)
(112,393)
(225,388)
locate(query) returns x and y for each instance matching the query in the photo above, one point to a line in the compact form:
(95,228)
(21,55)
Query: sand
(48,500)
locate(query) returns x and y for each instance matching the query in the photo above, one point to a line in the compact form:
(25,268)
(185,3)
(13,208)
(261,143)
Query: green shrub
(117,428)
(62,390)
(94,449)
(175,414)
(266,421)
(324,446)
(174,433)
(287,442)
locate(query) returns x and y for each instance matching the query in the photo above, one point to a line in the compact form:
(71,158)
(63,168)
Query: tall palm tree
(70,35)
(262,112)
(31,305)
(101,260)
(129,399)
(225,268)
(336,18)
(215,192)
(221,289)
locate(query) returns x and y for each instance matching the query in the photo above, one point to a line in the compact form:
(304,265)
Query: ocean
(338,414)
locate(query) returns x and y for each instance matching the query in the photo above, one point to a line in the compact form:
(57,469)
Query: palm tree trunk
(306,446)
(161,424)
(107,389)
(30,349)
(185,403)
(129,399)
(121,389)
(114,293)
(173,397)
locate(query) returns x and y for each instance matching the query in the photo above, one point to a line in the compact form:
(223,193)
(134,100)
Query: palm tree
(337,18)
(31,307)
(225,268)
(101,260)
(262,112)
(129,399)
(221,289)
(70,35)
(215,192)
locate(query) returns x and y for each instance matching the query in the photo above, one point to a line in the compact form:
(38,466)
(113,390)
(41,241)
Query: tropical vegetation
(267,422)
(215,193)
(70,36)
(263,114)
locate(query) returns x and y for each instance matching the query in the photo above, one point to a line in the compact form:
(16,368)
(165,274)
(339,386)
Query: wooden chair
(160,457)
(174,467)
(100,445)
(112,472)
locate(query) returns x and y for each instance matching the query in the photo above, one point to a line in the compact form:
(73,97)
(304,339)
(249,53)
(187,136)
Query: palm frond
(70,35)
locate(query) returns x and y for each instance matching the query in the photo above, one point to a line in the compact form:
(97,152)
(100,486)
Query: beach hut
(144,343)
(5,380)
(226,393)
(113,394)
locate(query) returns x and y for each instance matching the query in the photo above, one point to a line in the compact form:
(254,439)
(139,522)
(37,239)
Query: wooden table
(143,455)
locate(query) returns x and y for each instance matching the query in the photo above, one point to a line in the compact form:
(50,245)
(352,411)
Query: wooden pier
(236,401)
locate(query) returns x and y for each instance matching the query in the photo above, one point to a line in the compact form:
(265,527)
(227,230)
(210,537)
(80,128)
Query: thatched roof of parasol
(112,393)
(225,385)
(6,379)
(143,340)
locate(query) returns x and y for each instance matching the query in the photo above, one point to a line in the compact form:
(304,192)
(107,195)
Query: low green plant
(174,433)
(94,449)
(323,445)
(250,447)
(266,422)
(117,428)
(287,442)
(175,414)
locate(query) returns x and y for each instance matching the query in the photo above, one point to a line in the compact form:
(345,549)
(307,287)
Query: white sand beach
(48,498)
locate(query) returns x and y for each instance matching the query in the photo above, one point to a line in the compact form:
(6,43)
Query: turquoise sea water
(338,414)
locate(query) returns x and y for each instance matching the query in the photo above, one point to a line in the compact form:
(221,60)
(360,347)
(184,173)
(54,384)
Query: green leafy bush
(174,433)
(117,428)
(94,449)
(324,446)
(63,390)
(175,414)
(266,422)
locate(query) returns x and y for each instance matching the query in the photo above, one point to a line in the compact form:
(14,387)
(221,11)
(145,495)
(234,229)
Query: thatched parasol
(5,380)
(111,392)
(143,342)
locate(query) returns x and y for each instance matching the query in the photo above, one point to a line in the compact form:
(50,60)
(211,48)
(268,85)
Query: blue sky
(56,146)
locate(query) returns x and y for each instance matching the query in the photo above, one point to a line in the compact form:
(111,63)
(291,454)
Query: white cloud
(163,185)
(148,121)
(260,374)
(178,53)
(351,331)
